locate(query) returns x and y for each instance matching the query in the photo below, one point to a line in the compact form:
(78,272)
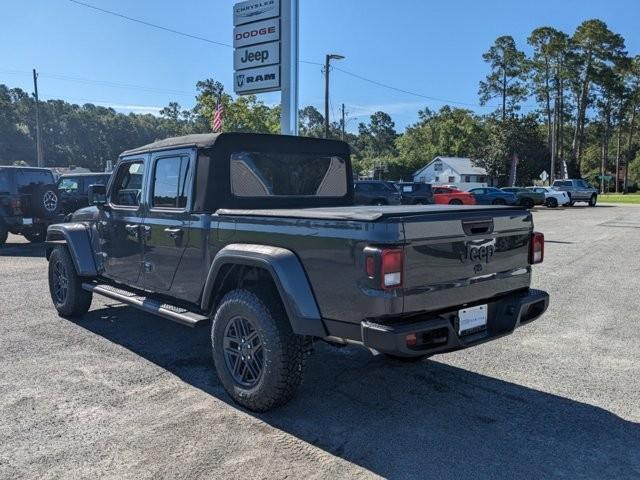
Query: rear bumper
(439,333)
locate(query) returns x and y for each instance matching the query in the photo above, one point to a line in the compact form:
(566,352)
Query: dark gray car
(376,192)
(579,191)
(29,201)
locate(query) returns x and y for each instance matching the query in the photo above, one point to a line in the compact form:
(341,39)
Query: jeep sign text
(256,56)
(255,80)
(258,32)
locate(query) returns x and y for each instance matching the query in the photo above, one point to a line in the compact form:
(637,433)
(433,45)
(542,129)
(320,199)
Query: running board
(149,305)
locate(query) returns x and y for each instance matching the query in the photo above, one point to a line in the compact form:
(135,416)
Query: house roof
(461,165)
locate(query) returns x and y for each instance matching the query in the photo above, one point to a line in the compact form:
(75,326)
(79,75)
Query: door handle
(174,232)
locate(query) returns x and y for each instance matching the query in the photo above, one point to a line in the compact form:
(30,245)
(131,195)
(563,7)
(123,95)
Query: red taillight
(384,267)
(536,248)
(391,272)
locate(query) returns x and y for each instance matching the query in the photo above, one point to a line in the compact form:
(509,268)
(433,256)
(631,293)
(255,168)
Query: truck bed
(366,213)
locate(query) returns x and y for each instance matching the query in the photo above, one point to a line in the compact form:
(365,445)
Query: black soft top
(197,140)
(213,186)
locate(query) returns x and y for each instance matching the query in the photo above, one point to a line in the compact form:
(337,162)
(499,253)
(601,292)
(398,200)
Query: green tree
(311,122)
(453,132)
(516,136)
(595,48)
(508,76)
(377,138)
(548,74)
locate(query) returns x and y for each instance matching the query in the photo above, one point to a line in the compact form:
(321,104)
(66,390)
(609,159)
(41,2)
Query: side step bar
(149,305)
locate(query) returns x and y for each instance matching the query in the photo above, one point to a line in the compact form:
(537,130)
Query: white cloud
(354,110)
(132,108)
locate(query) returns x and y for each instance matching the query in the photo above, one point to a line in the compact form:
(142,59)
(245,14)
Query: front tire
(258,358)
(65,286)
(499,201)
(455,201)
(593,200)
(552,203)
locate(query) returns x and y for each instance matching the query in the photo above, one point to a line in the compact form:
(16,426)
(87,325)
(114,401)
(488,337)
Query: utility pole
(327,66)
(39,151)
(342,123)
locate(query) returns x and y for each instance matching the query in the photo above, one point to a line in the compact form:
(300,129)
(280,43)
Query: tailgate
(465,257)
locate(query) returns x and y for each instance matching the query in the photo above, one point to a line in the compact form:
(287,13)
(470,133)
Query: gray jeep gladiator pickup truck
(257,236)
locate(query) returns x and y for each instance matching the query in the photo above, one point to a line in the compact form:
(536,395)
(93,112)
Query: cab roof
(197,140)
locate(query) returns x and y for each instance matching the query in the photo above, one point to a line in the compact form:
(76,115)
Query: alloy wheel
(60,282)
(243,352)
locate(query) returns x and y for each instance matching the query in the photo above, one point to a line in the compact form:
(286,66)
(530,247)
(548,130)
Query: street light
(328,58)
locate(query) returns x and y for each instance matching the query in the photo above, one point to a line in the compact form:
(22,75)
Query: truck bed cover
(366,213)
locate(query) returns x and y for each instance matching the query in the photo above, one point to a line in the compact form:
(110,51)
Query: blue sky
(427,47)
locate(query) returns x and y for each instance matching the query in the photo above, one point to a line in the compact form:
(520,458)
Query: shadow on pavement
(410,421)
(22,250)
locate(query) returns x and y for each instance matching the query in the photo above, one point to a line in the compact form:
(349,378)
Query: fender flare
(288,275)
(76,237)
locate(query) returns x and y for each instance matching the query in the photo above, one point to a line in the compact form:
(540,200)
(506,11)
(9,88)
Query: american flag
(216,121)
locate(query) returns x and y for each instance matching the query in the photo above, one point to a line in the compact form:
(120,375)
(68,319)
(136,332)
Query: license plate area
(27,221)
(472,320)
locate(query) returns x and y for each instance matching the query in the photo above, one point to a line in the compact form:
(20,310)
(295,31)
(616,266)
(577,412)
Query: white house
(452,171)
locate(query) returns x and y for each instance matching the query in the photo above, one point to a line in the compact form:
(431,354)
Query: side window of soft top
(127,190)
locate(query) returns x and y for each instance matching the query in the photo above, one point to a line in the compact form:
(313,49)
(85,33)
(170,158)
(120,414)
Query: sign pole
(289,66)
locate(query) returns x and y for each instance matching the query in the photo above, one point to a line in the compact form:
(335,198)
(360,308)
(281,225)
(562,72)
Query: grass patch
(628,198)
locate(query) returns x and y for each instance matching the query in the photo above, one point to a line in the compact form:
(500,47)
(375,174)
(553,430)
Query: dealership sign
(263,79)
(258,32)
(255,10)
(256,56)
(256,40)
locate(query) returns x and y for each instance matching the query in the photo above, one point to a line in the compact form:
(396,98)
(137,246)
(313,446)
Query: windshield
(262,174)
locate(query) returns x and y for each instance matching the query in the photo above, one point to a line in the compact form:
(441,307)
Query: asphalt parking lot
(122,394)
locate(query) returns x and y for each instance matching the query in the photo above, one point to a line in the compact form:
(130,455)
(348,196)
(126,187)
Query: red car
(452,196)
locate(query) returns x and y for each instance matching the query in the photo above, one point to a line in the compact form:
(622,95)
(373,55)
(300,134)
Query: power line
(149,24)
(223,44)
(104,83)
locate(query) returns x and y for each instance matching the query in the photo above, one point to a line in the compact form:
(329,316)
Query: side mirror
(97,195)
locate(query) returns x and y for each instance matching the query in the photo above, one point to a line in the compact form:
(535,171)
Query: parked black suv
(415,193)
(29,202)
(376,192)
(257,235)
(73,189)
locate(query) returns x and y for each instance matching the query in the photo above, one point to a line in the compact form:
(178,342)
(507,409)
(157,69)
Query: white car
(553,197)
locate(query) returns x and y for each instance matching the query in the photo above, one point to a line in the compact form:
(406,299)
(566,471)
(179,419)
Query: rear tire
(65,286)
(498,201)
(35,235)
(552,202)
(258,358)
(4,234)
(379,202)
(455,201)
(528,203)
(593,200)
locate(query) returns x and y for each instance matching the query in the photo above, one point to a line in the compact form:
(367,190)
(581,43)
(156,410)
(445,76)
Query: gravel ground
(121,394)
